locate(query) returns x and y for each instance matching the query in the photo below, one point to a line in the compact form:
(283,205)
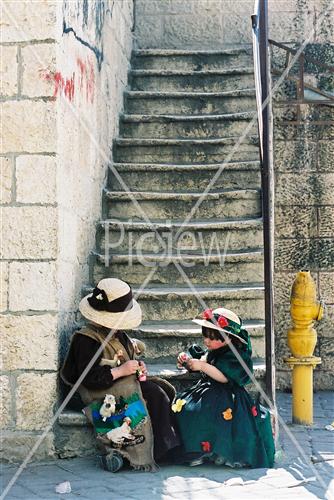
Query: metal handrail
(301,84)
(263,99)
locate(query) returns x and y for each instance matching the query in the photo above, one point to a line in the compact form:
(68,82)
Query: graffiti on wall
(82,81)
(85,21)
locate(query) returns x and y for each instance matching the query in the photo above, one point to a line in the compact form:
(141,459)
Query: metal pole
(267,202)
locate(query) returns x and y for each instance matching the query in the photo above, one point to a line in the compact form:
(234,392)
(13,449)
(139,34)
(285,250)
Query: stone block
(308,189)
(5,402)
(327,287)
(35,399)
(9,67)
(290,26)
(149,32)
(29,342)
(36,179)
(193,32)
(295,156)
(236,28)
(38,64)
(325,327)
(6,179)
(325,156)
(22,23)
(75,441)
(323,380)
(324,256)
(155,7)
(324,28)
(296,254)
(15,446)
(28,126)
(29,233)
(326,221)
(297,222)
(326,352)
(32,286)
(4,273)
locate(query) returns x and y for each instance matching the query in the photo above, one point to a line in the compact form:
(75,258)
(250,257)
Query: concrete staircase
(184,112)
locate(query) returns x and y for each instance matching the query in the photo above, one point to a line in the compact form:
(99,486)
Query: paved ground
(304,470)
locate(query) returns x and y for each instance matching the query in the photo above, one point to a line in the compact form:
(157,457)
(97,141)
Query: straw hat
(223,320)
(111,305)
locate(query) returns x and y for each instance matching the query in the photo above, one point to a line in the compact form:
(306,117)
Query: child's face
(213,344)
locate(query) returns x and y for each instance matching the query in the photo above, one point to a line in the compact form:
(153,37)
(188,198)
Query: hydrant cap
(303,290)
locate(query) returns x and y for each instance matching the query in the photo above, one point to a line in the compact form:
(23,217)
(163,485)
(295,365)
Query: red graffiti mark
(87,78)
(84,80)
(61,84)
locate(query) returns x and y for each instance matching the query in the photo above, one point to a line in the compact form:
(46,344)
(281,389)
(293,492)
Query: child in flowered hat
(218,419)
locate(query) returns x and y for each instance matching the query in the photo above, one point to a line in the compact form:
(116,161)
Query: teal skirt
(222,423)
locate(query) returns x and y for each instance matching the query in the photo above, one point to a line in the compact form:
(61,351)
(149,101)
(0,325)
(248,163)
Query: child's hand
(182,360)
(143,367)
(195,365)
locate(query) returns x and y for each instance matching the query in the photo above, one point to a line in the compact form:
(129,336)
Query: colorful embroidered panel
(131,407)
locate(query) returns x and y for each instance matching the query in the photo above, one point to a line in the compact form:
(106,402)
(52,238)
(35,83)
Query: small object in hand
(182,360)
(141,375)
(64,487)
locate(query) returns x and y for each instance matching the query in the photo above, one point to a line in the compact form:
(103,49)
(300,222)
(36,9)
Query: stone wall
(65,68)
(304,200)
(213,24)
(304,226)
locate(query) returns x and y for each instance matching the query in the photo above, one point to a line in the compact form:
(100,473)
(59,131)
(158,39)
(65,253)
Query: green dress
(221,421)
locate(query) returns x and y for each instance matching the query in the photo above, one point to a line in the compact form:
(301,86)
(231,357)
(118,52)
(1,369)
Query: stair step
(207,267)
(133,236)
(190,60)
(186,150)
(163,302)
(191,103)
(166,205)
(177,336)
(182,126)
(76,419)
(216,80)
(141,176)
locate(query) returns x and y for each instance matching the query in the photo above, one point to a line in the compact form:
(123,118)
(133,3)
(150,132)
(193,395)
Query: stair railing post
(267,176)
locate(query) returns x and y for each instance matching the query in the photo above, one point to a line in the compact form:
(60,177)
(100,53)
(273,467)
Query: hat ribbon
(99,301)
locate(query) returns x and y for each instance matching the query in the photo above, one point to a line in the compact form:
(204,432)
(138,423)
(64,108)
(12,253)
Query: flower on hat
(222,321)
(178,405)
(208,314)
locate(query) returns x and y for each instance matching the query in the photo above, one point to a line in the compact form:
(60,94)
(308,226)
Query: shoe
(200,460)
(112,462)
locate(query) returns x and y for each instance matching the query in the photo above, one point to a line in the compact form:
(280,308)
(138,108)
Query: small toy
(108,407)
(118,435)
(116,361)
(182,360)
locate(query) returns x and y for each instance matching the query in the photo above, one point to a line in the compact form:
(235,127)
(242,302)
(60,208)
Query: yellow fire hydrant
(302,338)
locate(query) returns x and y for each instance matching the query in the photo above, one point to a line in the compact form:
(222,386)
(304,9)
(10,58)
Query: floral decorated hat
(223,320)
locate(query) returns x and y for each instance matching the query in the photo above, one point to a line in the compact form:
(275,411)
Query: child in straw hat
(218,419)
(142,409)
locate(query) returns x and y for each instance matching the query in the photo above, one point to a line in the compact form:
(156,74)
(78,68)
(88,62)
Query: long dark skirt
(163,420)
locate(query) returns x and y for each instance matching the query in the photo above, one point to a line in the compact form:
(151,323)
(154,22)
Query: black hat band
(99,301)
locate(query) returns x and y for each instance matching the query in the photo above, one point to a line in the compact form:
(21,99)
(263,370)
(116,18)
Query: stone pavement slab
(295,476)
